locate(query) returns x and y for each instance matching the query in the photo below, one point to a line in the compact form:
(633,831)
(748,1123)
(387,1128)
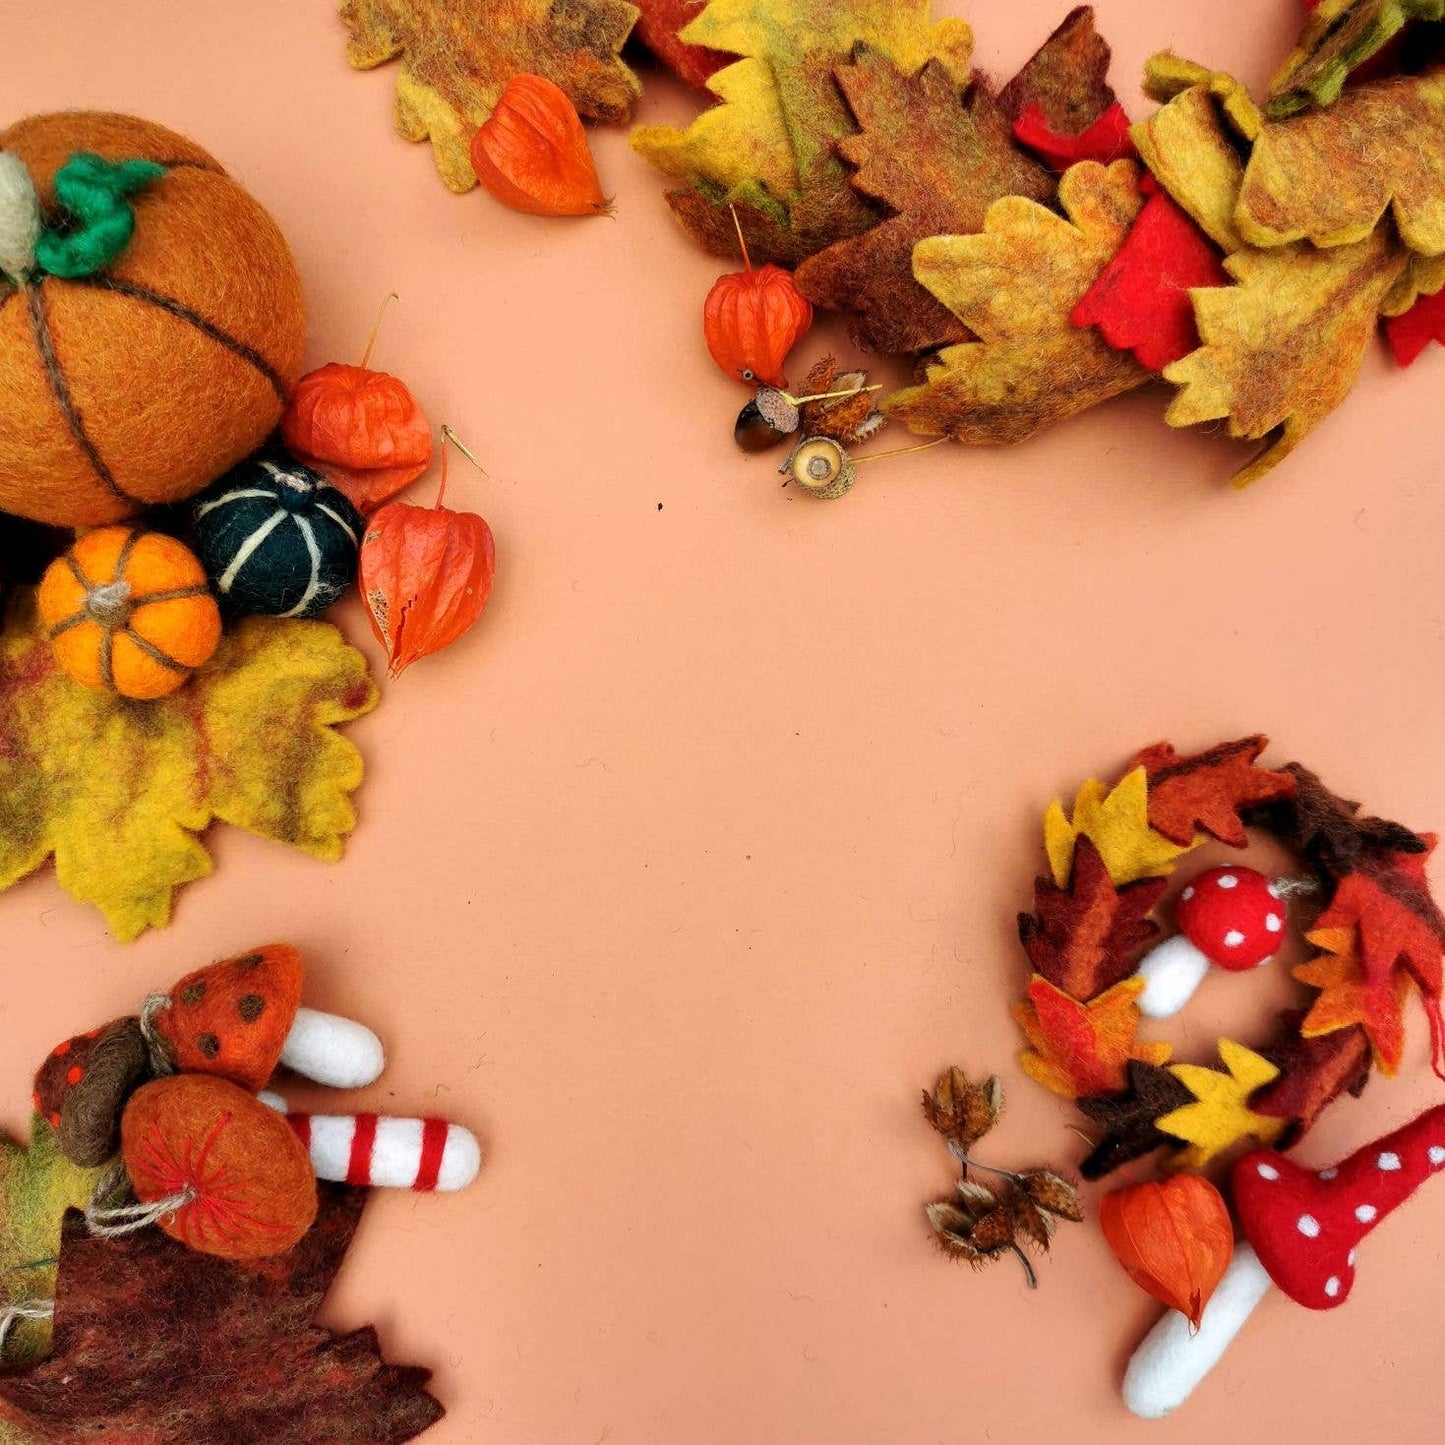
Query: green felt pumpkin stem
(94,192)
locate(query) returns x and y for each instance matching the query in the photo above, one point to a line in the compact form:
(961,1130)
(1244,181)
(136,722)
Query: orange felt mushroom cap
(231,1018)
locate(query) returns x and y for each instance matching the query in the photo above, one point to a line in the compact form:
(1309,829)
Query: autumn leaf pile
(1378,938)
(1033,255)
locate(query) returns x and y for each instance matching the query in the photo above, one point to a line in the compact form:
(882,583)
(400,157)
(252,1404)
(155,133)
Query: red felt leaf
(1140,300)
(657,28)
(1084,938)
(1412,332)
(1107,139)
(1208,790)
(1313,1073)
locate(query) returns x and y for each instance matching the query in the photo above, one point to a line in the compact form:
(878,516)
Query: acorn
(821,467)
(770,418)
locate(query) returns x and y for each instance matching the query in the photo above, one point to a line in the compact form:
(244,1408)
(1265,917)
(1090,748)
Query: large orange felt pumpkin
(145,381)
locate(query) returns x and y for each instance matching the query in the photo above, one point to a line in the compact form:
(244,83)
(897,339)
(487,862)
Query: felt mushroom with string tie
(1303,1228)
(1233,918)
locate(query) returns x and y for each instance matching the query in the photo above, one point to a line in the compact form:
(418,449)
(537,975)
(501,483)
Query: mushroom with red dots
(1230,917)
(1303,1229)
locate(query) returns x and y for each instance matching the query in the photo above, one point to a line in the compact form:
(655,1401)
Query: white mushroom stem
(1171,971)
(1173,1357)
(335,1051)
(19,218)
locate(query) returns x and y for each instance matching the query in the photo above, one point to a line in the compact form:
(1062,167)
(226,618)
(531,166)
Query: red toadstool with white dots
(1231,917)
(1303,1229)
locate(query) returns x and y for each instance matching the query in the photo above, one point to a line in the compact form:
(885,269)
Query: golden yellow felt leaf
(768,147)
(457,59)
(118,790)
(1220,1115)
(1283,346)
(1167,75)
(1328,176)
(1014,286)
(1424,276)
(1116,821)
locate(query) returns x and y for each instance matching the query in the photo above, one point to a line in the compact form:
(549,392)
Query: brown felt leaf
(961,1110)
(848,419)
(1128,1117)
(935,160)
(155,1344)
(1014,287)
(1208,790)
(1339,36)
(1085,938)
(1313,1073)
(1066,77)
(457,59)
(1328,176)
(1283,346)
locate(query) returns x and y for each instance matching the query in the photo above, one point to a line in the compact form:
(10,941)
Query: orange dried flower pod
(425,574)
(753,319)
(1174,1239)
(532,153)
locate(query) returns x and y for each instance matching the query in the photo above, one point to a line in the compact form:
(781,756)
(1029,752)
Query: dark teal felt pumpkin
(277,539)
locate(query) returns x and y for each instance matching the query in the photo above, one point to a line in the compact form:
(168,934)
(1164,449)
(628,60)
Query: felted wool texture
(256,1191)
(63,1068)
(335,1051)
(278,539)
(118,1063)
(20,218)
(231,1018)
(378,1151)
(144,383)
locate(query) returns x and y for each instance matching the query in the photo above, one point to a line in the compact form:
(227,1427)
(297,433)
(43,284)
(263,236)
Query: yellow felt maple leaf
(1221,1115)
(1116,821)
(1015,286)
(1348,997)
(457,58)
(1077,1049)
(117,790)
(768,147)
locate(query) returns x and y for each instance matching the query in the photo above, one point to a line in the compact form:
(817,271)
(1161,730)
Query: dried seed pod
(821,467)
(769,418)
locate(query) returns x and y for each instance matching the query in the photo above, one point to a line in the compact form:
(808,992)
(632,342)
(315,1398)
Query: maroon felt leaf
(1128,1117)
(156,1344)
(1065,82)
(1140,301)
(1084,938)
(1412,332)
(1313,1073)
(1208,790)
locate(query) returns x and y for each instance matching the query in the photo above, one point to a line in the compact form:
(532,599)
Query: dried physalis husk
(821,467)
(425,574)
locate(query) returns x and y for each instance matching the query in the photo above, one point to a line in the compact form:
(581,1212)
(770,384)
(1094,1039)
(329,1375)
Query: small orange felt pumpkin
(231,1018)
(245,1180)
(1173,1237)
(532,153)
(129,611)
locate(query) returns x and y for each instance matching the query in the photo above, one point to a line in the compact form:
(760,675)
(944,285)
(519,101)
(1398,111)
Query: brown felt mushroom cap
(117,1065)
(63,1069)
(231,1018)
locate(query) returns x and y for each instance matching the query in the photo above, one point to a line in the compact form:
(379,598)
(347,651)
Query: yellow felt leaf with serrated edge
(457,59)
(118,790)
(1116,821)
(768,147)
(1167,75)
(1221,1115)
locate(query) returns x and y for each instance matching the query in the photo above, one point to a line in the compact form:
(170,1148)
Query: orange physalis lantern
(426,573)
(362,429)
(752,319)
(532,153)
(1174,1239)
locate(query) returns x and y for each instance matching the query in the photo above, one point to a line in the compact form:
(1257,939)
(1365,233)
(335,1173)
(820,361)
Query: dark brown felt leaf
(936,158)
(156,1344)
(1312,1074)
(1208,790)
(1067,77)
(1128,1118)
(1084,938)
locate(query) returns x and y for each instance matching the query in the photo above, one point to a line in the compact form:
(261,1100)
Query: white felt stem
(1173,1358)
(272,1100)
(1171,972)
(393,1156)
(335,1051)
(19,218)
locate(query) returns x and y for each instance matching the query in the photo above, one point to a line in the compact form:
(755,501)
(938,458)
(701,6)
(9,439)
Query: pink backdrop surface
(682,875)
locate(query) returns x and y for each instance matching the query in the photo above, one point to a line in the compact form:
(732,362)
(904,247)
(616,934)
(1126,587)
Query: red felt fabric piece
(1412,332)
(1140,300)
(1107,139)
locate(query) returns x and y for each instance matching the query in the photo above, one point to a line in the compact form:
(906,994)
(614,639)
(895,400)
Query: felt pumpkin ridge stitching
(60,390)
(182,312)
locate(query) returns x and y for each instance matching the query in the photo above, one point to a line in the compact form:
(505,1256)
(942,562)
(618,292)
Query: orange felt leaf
(1083,938)
(1347,997)
(1208,790)
(1077,1049)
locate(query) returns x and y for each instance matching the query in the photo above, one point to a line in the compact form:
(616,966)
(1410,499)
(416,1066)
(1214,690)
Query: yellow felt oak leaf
(1015,286)
(768,147)
(1167,75)
(118,790)
(1328,176)
(1078,1049)
(458,56)
(1220,1115)
(1349,996)
(1116,821)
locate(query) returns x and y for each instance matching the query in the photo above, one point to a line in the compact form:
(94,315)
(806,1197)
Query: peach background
(686,870)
